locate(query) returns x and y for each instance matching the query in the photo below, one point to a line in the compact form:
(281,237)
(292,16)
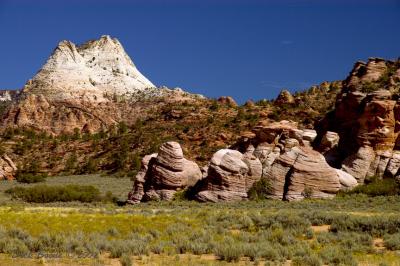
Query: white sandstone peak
(92,71)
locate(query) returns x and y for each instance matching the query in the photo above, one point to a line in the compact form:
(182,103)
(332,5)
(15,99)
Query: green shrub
(307,192)
(352,242)
(373,225)
(125,260)
(269,253)
(333,255)
(45,194)
(384,187)
(259,190)
(229,252)
(71,162)
(16,248)
(392,242)
(90,167)
(309,260)
(157,248)
(369,87)
(30,178)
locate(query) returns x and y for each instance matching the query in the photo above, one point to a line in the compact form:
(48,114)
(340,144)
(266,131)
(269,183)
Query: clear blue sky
(247,49)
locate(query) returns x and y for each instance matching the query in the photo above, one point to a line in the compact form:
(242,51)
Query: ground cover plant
(343,231)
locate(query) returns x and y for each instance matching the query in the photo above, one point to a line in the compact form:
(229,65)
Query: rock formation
(230,175)
(7,168)
(300,173)
(284,97)
(282,154)
(367,120)
(163,174)
(87,87)
(279,152)
(92,72)
(291,166)
(227,100)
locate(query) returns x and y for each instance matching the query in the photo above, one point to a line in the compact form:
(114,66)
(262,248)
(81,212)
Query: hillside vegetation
(202,127)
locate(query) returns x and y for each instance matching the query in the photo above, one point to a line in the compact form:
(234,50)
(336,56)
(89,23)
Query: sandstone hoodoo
(163,174)
(278,152)
(230,175)
(291,167)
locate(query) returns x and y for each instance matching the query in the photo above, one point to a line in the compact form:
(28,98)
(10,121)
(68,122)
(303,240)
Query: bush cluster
(29,178)
(392,242)
(45,194)
(378,187)
(259,190)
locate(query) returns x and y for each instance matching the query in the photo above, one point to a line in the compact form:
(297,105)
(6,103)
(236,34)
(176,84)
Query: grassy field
(345,231)
(348,230)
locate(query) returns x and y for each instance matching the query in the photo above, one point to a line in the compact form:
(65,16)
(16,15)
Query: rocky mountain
(94,71)
(84,88)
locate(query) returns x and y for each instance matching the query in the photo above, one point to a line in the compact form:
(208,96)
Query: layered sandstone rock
(282,154)
(137,192)
(366,72)
(7,168)
(163,174)
(346,180)
(302,172)
(367,120)
(229,177)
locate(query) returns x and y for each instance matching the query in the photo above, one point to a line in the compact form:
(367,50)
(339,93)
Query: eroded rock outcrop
(284,97)
(367,120)
(7,168)
(281,153)
(290,164)
(301,173)
(230,175)
(163,174)
(227,100)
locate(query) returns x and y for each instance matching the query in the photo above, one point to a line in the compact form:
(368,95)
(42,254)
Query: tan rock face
(366,72)
(282,154)
(137,192)
(230,175)
(227,100)
(163,174)
(284,97)
(302,172)
(7,168)
(367,122)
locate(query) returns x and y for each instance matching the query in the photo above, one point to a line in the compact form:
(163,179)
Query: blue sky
(247,49)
